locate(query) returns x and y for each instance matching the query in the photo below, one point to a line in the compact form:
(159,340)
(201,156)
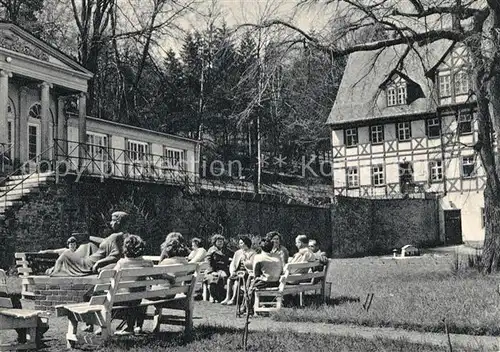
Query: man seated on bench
(318,254)
(304,255)
(133,249)
(267,270)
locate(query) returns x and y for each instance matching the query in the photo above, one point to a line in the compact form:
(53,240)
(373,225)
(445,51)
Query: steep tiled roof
(359,97)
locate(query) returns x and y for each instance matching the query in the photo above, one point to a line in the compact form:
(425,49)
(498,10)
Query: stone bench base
(47,292)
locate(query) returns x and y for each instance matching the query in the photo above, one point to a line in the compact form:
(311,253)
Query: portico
(35,81)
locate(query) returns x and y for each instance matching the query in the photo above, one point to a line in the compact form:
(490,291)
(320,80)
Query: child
(133,249)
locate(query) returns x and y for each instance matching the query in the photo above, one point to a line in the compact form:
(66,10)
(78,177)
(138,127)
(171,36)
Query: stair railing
(21,170)
(6,150)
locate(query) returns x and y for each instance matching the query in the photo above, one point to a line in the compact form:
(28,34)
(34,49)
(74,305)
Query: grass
(209,338)
(411,295)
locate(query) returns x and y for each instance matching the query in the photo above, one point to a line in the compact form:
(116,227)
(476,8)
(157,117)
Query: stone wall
(47,219)
(352,227)
(374,226)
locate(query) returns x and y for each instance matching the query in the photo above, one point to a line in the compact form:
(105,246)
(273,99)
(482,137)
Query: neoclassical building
(407,128)
(36,127)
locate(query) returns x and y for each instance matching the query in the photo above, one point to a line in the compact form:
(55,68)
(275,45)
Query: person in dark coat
(219,258)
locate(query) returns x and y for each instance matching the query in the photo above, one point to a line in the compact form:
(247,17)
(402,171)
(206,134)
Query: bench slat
(301,265)
(308,276)
(24,270)
(158,270)
(160,293)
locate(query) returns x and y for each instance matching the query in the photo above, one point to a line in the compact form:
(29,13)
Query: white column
(45,119)
(4,100)
(62,134)
(22,125)
(82,124)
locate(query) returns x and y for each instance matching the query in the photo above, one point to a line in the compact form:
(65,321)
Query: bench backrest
(144,283)
(294,273)
(34,263)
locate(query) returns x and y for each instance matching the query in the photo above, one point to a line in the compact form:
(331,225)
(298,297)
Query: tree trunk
(491,251)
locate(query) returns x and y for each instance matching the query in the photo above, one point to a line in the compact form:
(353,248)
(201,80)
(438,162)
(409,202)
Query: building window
(444,85)
(391,96)
(10,145)
(32,141)
(35,111)
(436,170)
(402,94)
(464,123)
(378,175)
(377,134)
(433,128)
(397,93)
(404,131)
(137,151)
(468,166)
(174,158)
(461,82)
(351,137)
(352,177)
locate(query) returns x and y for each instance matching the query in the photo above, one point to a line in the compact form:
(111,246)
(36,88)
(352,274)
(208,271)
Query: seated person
(174,250)
(198,253)
(109,252)
(267,270)
(304,255)
(218,271)
(278,249)
(318,254)
(133,249)
(242,262)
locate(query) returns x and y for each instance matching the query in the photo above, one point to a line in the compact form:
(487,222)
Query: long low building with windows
(406,128)
(40,127)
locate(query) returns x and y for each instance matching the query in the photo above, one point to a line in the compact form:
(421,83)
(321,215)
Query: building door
(406,177)
(453,226)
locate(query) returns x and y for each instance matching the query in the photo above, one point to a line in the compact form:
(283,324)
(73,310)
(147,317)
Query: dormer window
(396,92)
(453,75)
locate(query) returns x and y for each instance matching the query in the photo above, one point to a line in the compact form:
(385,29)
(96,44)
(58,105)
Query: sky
(237,12)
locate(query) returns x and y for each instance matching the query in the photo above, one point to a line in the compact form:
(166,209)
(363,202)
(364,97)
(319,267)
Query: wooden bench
(200,281)
(30,321)
(296,279)
(110,299)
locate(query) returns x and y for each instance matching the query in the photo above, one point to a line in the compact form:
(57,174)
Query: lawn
(413,294)
(216,338)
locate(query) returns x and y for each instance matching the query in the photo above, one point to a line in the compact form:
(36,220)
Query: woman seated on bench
(218,259)
(242,262)
(133,249)
(267,270)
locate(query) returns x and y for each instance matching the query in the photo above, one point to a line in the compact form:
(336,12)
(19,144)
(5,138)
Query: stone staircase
(15,189)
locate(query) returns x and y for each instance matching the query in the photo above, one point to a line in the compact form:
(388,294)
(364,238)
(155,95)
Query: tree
(22,13)
(474,23)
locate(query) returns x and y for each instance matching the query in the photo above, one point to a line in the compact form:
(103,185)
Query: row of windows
(136,151)
(468,168)
(449,84)
(403,130)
